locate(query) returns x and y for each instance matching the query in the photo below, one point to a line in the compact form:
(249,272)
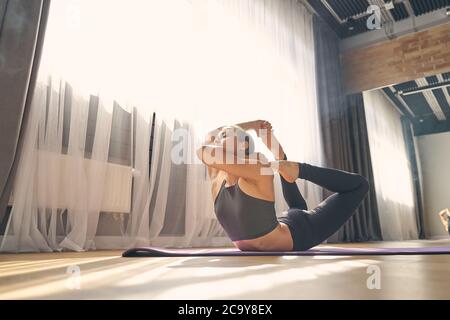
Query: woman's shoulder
(218,179)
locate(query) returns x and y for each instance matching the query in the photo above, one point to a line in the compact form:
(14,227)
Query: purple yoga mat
(318,251)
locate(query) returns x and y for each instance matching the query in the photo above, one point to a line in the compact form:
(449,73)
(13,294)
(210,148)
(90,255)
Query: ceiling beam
(409,8)
(399,28)
(427,88)
(331,10)
(394,104)
(406,58)
(400,99)
(447,96)
(431,99)
(411,14)
(308,7)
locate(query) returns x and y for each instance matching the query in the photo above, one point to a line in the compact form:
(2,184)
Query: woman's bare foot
(288,170)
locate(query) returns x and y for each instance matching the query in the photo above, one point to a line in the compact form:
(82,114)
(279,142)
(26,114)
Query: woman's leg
(292,194)
(332,213)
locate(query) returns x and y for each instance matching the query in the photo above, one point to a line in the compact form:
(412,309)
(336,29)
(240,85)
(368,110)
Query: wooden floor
(106,275)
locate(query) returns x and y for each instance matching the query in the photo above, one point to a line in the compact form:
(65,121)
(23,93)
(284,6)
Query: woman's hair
(242,136)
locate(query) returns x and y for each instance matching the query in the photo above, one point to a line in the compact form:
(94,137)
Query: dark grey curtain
(22,27)
(344,133)
(409,141)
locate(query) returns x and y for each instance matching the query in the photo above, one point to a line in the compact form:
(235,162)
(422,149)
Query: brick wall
(403,59)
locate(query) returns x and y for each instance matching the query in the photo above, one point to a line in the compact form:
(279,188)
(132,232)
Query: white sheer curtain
(84,179)
(391,168)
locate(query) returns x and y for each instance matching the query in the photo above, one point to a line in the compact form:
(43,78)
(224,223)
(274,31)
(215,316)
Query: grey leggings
(311,227)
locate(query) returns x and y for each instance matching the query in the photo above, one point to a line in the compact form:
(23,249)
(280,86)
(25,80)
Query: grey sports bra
(242,216)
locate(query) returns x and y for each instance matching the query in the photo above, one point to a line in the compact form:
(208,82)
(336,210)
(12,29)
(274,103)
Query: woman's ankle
(289,170)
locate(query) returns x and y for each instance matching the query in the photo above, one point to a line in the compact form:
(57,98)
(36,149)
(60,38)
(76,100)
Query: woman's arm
(264,131)
(274,146)
(211,136)
(216,157)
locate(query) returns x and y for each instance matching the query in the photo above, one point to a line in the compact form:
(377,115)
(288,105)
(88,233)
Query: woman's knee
(364,185)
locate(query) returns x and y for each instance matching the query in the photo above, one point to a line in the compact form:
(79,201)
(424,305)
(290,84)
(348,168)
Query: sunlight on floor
(162,278)
(248,279)
(44,265)
(106,275)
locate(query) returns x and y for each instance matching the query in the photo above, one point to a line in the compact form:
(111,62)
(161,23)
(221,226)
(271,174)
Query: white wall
(434,153)
(391,168)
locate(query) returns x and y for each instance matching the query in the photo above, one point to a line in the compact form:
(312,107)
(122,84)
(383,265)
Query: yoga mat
(318,251)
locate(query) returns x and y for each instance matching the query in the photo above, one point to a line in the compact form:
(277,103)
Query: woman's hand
(264,129)
(257,125)
(265,125)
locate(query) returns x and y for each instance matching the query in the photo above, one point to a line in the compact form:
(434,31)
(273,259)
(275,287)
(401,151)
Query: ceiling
(349,17)
(426,101)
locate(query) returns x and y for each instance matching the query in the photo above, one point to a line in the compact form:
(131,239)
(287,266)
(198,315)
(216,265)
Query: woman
(445,219)
(242,186)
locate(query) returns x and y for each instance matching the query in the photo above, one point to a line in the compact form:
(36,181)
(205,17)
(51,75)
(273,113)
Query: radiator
(77,183)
